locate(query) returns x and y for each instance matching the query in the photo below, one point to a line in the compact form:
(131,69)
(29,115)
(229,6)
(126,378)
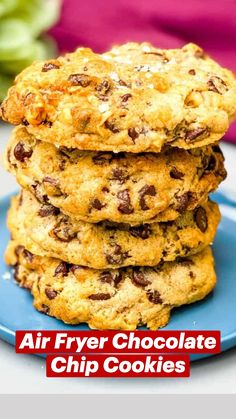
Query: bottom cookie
(117,299)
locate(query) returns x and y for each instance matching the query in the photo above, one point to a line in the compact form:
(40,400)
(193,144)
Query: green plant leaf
(14,38)
(7,6)
(5,83)
(39,15)
(39,50)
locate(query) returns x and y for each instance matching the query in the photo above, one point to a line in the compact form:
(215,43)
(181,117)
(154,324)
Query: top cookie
(133,98)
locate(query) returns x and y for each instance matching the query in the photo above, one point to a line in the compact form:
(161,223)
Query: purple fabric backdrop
(99,24)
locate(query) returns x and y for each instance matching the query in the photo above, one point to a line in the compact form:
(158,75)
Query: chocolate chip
(39,195)
(50,66)
(52,186)
(133,133)
(154,297)
(78,79)
(21,153)
(47,123)
(63,231)
(97,204)
(119,175)
(50,293)
(212,87)
(194,134)
(211,163)
(110,124)
(146,190)
(192,72)
(138,278)
(62,269)
(47,210)
(44,309)
(28,255)
(125,206)
(106,277)
(143,231)
(103,87)
(105,189)
(200,218)
(25,122)
(217,85)
(125,97)
(176,174)
(182,202)
(102,158)
(117,257)
(122,83)
(118,278)
(100,296)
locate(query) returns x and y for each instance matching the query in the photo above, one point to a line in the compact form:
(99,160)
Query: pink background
(166,23)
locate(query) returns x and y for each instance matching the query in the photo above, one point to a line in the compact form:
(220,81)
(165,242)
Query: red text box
(126,366)
(94,341)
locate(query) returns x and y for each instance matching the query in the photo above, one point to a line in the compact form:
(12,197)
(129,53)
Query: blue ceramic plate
(218,311)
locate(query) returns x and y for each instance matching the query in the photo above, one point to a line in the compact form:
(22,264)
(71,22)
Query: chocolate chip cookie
(116,299)
(133,98)
(45,231)
(123,188)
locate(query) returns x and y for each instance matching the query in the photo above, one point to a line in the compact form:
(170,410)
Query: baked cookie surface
(123,187)
(133,98)
(117,299)
(43,230)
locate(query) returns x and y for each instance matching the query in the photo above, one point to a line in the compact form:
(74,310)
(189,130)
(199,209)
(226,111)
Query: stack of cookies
(116,155)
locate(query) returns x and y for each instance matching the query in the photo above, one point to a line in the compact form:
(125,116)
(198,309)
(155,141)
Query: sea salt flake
(106,57)
(155,68)
(114,76)
(104,107)
(146,49)
(122,60)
